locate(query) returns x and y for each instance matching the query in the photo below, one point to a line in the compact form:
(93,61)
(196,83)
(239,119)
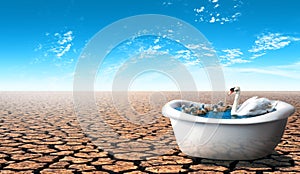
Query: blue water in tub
(218,115)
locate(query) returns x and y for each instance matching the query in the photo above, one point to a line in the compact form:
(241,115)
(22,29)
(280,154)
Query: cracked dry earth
(40,133)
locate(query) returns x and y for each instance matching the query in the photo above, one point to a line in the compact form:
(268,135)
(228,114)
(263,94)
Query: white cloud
(238,60)
(197,55)
(201,48)
(232,56)
(213,11)
(183,55)
(232,53)
(65,38)
(295,39)
(235,16)
(263,43)
(289,71)
(212,20)
(192,63)
(256,55)
(270,41)
(156,47)
(170,31)
(152,50)
(64,43)
(193,46)
(55,47)
(167,3)
(265,78)
(183,52)
(199,10)
(63,51)
(208,54)
(58,44)
(187,57)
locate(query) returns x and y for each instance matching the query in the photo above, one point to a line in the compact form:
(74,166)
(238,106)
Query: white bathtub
(227,139)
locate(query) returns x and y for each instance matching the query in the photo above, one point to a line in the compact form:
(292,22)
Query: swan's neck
(235,103)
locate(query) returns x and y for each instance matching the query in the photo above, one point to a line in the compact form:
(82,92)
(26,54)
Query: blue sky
(257,41)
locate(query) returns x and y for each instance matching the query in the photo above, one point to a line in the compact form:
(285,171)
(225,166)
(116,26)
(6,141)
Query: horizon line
(145,91)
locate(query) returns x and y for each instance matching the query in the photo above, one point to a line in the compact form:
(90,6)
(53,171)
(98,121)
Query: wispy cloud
(213,11)
(264,43)
(232,56)
(196,54)
(54,47)
(183,54)
(187,57)
(167,3)
(256,55)
(63,43)
(289,71)
(203,48)
(151,51)
(270,41)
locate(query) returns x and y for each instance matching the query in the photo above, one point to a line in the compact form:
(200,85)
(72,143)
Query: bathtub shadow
(270,162)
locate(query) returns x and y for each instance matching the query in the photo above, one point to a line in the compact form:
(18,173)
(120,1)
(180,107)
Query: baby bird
(222,108)
(185,109)
(201,111)
(194,109)
(220,103)
(217,107)
(209,107)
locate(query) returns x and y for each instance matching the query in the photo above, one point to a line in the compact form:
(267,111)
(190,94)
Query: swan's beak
(231,91)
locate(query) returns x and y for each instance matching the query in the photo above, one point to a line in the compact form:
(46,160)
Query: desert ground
(50,132)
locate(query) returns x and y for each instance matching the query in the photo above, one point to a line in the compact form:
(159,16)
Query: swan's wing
(254,106)
(247,103)
(263,104)
(273,105)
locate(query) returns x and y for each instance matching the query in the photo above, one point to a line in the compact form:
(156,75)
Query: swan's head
(234,90)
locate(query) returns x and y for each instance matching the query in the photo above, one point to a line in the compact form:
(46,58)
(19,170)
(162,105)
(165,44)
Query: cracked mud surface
(40,133)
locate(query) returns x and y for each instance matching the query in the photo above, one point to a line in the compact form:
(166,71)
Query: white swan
(251,107)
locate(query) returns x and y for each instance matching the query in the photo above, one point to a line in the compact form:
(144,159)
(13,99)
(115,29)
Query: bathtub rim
(283,111)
